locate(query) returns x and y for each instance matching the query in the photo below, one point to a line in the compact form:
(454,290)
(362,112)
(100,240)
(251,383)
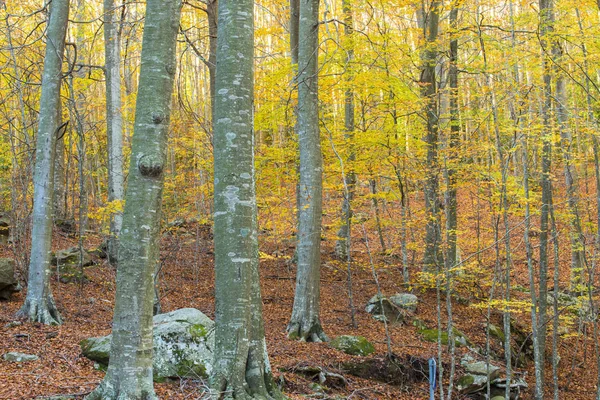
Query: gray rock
(19,357)
(67,263)
(471,383)
(354,345)
(497,332)
(8,282)
(405,301)
(480,368)
(395,309)
(4,229)
(183,345)
(71,257)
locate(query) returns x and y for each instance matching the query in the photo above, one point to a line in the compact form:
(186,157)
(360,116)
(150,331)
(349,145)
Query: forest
(299,199)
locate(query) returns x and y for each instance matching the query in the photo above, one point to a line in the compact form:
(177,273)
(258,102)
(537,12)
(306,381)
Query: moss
(198,331)
(466,381)
(354,345)
(431,335)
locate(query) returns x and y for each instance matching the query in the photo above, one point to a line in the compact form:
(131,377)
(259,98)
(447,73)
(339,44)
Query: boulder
(354,345)
(183,343)
(8,282)
(4,229)
(19,357)
(431,335)
(67,262)
(405,301)
(396,309)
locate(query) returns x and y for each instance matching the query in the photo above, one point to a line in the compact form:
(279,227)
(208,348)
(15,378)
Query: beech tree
(114,121)
(241,366)
(129,374)
(305,323)
(39,304)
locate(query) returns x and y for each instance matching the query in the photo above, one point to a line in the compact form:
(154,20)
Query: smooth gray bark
(342,245)
(39,305)
(305,323)
(114,121)
(546,30)
(429,92)
(129,374)
(294,25)
(241,367)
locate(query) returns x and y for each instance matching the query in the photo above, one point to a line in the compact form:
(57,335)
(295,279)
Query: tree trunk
(129,374)
(39,305)
(305,323)
(294,25)
(114,122)
(453,142)
(546,28)
(342,245)
(241,368)
(212,8)
(428,82)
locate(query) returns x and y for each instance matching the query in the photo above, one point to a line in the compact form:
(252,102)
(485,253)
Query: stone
(353,345)
(71,256)
(183,343)
(431,335)
(480,368)
(471,383)
(405,301)
(67,262)
(395,309)
(4,229)
(497,332)
(19,357)
(8,282)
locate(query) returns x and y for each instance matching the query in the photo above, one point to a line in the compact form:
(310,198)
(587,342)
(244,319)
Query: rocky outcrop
(353,345)
(395,309)
(8,282)
(183,345)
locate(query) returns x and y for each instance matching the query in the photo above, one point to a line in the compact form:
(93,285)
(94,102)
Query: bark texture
(241,366)
(114,121)
(305,323)
(39,305)
(129,374)
(342,245)
(433,250)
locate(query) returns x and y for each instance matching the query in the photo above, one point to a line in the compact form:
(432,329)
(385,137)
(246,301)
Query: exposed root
(107,391)
(40,310)
(307,332)
(239,392)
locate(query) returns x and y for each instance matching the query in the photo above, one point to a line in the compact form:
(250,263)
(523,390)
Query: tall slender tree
(305,323)
(429,92)
(241,367)
(342,245)
(39,304)
(114,120)
(129,374)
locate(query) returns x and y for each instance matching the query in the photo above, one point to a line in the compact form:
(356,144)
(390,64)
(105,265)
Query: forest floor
(187,280)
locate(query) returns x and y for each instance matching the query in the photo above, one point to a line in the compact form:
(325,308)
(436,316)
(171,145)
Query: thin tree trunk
(341,246)
(114,122)
(429,92)
(305,323)
(129,374)
(39,305)
(546,29)
(241,367)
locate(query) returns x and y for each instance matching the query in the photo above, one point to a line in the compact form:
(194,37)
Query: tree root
(239,392)
(307,332)
(40,310)
(124,392)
